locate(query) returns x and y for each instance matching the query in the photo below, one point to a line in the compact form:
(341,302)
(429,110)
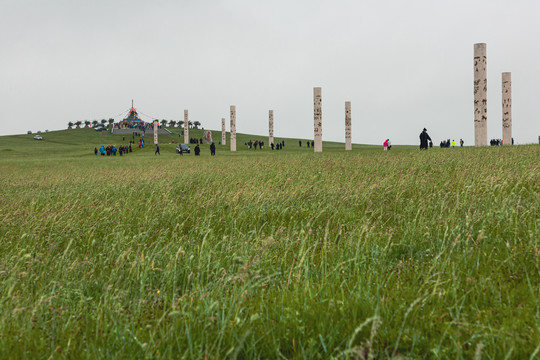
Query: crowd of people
(130,124)
(312,143)
(447,143)
(254,144)
(498,142)
(278,146)
(195,141)
(112,150)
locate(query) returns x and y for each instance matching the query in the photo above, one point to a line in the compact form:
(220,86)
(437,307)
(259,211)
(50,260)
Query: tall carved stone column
(223,132)
(480,95)
(348,145)
(270,127)
(233,128)
(186,127)
(317,119)
(156,124)
(507,108)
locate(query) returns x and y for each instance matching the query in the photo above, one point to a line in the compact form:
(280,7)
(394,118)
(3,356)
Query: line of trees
(171,123)
(87,123)
(180,123)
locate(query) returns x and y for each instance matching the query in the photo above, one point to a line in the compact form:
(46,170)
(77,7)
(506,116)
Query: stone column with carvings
(480,95)
(223,132)
(270,127)
(233,128)
(348,145)
(156,124)
(186,127)
(317,119)
(507,108)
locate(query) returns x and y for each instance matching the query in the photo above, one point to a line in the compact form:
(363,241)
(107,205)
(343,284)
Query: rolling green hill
(81,142)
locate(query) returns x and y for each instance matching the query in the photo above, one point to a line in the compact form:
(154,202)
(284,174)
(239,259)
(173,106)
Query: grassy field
(261,254)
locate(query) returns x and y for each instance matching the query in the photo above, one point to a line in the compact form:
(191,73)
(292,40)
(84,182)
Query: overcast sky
(404,65)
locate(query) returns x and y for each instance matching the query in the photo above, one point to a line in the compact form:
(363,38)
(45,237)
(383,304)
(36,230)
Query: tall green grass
(289,254)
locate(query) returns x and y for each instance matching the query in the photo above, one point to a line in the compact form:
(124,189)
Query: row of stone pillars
(317,119)
(480,99)
(480,110)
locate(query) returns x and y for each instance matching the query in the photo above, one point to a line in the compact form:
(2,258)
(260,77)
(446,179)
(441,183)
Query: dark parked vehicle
(184,148)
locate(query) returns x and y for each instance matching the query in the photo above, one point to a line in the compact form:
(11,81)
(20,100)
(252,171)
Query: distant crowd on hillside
(498,142)
(253,144)
(447,143)
(112,150)
(308,143)
(140,125)
(195,141)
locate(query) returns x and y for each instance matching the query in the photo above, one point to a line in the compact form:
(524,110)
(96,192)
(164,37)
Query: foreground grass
(296,255)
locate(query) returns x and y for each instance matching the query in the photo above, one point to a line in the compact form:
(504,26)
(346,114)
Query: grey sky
(404,65)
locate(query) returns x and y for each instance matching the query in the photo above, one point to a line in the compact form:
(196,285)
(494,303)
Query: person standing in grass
(95,151)
(157,150)
(424,137)
(453,143)
(197,150)
(212,149)
(385,145)
(461,142)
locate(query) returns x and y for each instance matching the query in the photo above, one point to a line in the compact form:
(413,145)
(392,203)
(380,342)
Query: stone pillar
(223,132)
(156,124)
(270,127)
(317,119)
(348,145)
(186,127)
(480,95)
(233,128)
(507,108)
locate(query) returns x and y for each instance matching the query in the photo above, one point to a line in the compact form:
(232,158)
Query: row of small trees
(171,123)
(88,122)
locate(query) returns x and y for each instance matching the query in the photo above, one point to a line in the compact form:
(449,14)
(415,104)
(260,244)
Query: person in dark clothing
(272,146)
(212,149)
(430,143)
(461,142)
(95,151)
(312,143)
(300,143)
(197,150)
(424,137)
(157,150)
(308,142)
